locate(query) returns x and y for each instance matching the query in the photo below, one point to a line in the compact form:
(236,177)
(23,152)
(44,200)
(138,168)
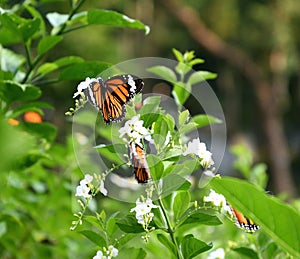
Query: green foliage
(38,173)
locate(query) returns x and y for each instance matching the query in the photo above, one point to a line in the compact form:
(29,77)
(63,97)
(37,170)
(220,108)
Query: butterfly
(243,222)
(139,162)
(111,96)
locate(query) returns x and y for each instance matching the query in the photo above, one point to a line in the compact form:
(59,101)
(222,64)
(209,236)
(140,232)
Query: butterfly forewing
(112,95)
(139,162)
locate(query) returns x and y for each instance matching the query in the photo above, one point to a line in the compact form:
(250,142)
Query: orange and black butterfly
(139,162)
(243,222)
(112,95)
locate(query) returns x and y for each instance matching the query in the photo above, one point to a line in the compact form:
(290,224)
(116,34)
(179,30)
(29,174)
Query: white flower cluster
(134,131)
(83,85)
(199,149)
(218,200)
(143,212)
(110,252)
(217,254)
(83,189)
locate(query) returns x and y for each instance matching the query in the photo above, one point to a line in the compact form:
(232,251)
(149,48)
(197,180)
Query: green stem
(170,230)
(71,14)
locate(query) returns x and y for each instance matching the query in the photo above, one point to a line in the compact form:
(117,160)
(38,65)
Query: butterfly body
(112,95)
(139,162)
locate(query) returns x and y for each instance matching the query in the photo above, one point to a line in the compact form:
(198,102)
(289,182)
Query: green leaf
(129,224)
(196,61)
(11,22)
(201,218)
(183,117)
(167,243)
(164,72)
(181,203)
(80,71)
(191,246)
(94,237)
(204,120)
(246,252)
(43,130)
(11,91)
(35,13)
(156,167)
(160,132)
(113,152)
(172,183)
(3,228)
(266,211)
(181,92)
(108,17)
(47,68)
(200,76)
(150,105)
(32,106)
(134,253)
(178,55)
(29,28)
(48,43)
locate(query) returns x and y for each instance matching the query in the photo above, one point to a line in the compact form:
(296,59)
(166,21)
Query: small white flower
(83,190)
(102,188)
(134,130)
(83,85)
(206,159)
(217,254)
(143,211)
(199,149)
(99,255)
(113,251)
(195,147)
(87,179)
(216,199)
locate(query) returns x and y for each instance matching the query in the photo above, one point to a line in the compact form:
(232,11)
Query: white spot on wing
(132,84)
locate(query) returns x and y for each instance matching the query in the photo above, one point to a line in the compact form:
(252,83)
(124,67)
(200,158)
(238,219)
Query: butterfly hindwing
(112,95)
(139,162)
(243,222)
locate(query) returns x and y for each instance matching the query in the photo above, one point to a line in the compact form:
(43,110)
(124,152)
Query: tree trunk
(271,117)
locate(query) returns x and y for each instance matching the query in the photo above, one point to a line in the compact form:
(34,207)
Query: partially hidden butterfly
(111,96)
(139,162)
(243,222)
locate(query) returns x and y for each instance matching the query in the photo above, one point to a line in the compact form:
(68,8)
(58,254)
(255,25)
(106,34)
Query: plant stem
(170,230)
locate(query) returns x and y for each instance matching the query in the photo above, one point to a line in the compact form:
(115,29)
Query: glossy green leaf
(173,182)
(178,55)
(80,71)
(202,120)
(48,43)
(11,91)
(156,167)
(164,72)
(36,14)
(108,17)
(201,219)
(181,202)
(200,76)
(181,92)
(192,247)
(129,224)
(266,211)
(113,152)
(29,28)
(183,117)
(94,237)
(167,243)
(42,130)
(246,252)
(134,253)
(150,105)
(47,68)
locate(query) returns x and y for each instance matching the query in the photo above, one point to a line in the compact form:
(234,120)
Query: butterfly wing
(243,222)
(139,162)
(112,95)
